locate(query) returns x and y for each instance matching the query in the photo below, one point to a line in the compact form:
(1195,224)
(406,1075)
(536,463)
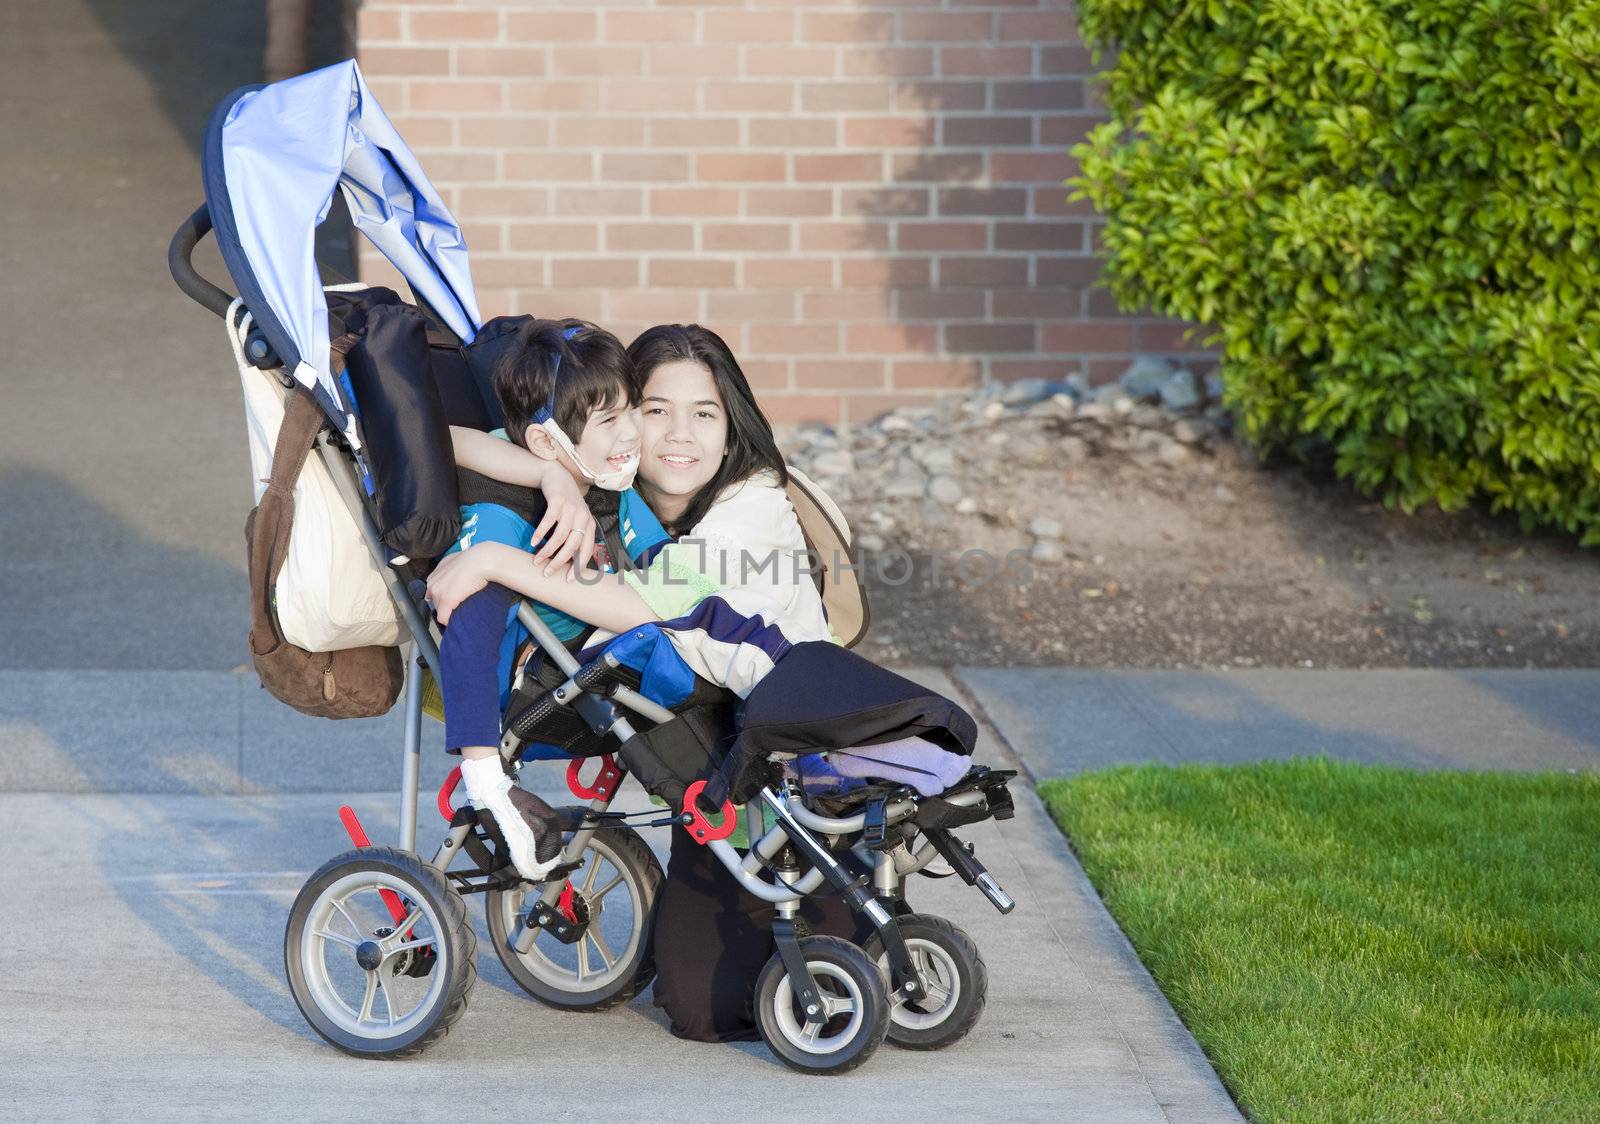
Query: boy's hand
(459,576)
(569,522)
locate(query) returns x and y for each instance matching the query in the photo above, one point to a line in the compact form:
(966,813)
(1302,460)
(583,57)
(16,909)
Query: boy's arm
(566,533)
(605,600)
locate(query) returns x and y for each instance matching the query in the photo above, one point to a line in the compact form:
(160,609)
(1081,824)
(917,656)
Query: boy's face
(609,440)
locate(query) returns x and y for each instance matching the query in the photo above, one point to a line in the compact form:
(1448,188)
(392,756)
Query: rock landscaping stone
(1045,527)
(945,489)
(1181,392)
(1145,378)
(1048,551)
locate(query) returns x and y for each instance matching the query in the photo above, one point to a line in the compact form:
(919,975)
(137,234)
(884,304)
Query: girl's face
(685,434)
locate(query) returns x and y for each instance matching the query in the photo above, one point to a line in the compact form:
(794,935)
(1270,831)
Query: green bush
(1390,215)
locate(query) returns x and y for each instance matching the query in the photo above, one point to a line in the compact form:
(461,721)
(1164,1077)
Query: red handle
(605,782)
(358,836)
(447,790)
(701,828)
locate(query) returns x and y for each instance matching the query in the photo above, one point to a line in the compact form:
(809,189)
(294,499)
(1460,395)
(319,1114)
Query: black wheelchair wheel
(856,1009)
(953,971)
(372,985)
(614,899)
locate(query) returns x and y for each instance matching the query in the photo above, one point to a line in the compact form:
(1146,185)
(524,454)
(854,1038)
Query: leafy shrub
(1388,211)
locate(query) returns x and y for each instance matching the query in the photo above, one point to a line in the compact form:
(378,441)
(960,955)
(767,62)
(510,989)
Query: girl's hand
(568,520)
(461,575)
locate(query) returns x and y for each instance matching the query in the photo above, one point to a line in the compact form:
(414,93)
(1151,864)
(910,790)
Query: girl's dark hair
(594,374)
(751,446)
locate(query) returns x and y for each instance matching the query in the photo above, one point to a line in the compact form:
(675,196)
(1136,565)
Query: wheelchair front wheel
(614,899)
(955,976)
(855,1015)
(380,953)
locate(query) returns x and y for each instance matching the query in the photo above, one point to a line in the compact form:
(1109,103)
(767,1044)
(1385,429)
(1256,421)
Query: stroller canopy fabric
(274,155)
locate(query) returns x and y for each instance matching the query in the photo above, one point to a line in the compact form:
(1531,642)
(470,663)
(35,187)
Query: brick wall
(864,200)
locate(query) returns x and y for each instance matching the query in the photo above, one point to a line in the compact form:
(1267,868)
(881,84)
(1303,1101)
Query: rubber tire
(970,969)
(628,849)
(457,934)
(866,976)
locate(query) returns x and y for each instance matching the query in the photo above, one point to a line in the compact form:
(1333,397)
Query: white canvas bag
(330,593)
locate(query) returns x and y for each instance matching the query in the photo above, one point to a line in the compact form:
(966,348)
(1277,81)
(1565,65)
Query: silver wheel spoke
(809,1031)
(405,926)
(388,1003)
(420,942)
(327,935)
(366,1001)
(837,1005)
(607,957)
(583,960)
(594,869)
(606,889)
(351,921)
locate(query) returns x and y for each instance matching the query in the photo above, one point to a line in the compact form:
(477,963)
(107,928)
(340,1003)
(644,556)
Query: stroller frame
(782,828)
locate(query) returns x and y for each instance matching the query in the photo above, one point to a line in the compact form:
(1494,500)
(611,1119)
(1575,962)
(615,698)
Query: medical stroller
(379,950)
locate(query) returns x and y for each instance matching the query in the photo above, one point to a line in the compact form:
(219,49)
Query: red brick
(552,27)
(745,237)
(791,409)
(658,95)
(930,167)
(788,202)
(450,27)
(1038,27)
(1038,236)
(482,237)
(794,339)
(846,373)
(741,167)
(636,26)
(554,237)
(1170,337)
(886,62)
(590,131)
(816,236)
(376,25)
(694,132)
(1035,304)
(888,132)
(653,307)
(585,304)
(843,304)
(431,132)
(502,202)
(691,273)
(644,166)
(1066,60)
(1076,271)
(829,97)
(942,236)
(497,132)
(748,27)
(406,62)
(597,62)
(792,132)
(508,62)
(598,201)
(783,273)
(549,167)
(896,272)
(945,27)
(989,338)
(507,272)
(876,339)
(743,305)
(983,271)
(1054,202)
(1056,94)
(753,97)
(582,97)
(467,167)
(1015,370)
(694,201)
(597,272)
(456,97)
(855,27)
(1032,167)
(986,132)
(863,408)
(945,97)
(936,373)
(765,374)
(390,94)
(790,62)
(888,200)
(1102,371)
(685,60)
(626,236)
(491,302)
(1088,336)
(838,168)
(939,304)
(982,201)
(984,62)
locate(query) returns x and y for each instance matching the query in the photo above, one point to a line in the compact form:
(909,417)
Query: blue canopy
(273,157)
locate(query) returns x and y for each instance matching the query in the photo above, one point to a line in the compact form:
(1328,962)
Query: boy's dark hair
(751,446)
(594,373)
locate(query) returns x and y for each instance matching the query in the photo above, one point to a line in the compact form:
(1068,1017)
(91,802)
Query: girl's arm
(605,600)
(567,518)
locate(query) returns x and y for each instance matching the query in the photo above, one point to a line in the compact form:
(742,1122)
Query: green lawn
(1354,943)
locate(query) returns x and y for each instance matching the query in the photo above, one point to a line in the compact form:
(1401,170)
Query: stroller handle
(180,261)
